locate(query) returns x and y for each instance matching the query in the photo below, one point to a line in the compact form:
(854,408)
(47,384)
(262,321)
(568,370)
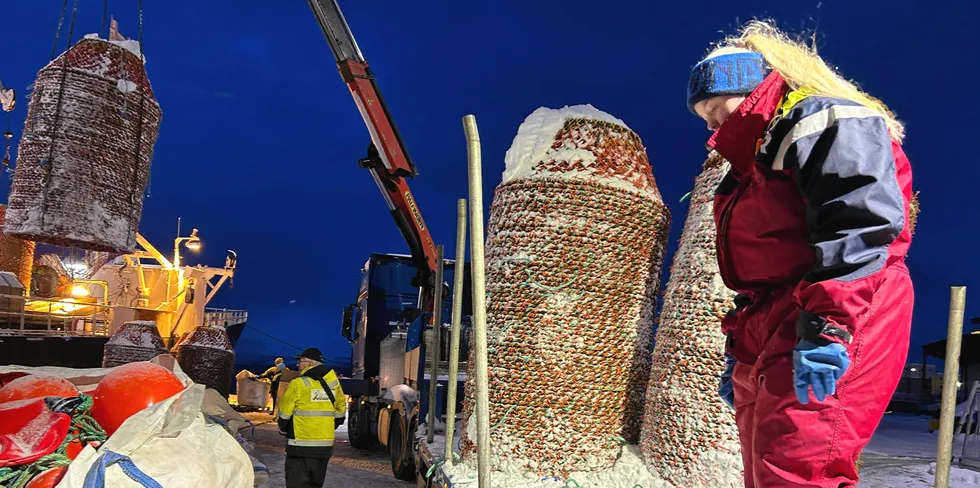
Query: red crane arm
(387,158)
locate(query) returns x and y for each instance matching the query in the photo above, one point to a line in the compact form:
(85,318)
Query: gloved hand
(338,421)
(818,365)
(725,388)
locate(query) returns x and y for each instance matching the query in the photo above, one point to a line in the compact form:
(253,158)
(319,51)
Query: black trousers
(274,391)
(305,472)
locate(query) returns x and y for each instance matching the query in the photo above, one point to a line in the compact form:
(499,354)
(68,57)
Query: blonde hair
(802,68)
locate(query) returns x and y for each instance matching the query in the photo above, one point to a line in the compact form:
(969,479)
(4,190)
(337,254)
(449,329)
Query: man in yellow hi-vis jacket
(312,407)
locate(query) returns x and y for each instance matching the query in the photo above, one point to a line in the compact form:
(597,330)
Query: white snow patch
(130,45)
(126,86)
(536,135)
(404,394)
(628,472)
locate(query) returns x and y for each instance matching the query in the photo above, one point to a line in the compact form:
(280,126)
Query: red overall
(812,216)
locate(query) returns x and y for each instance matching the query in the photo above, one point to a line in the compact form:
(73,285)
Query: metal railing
(970,455)
(214,317)
(53,316)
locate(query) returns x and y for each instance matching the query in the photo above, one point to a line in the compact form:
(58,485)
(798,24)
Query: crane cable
(48,164)
(139,133)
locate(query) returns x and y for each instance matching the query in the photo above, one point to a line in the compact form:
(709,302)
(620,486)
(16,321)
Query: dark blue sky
(260,137)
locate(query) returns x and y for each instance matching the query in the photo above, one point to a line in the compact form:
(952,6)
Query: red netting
(16,255)
(689,436)
(574,252)
(80,177)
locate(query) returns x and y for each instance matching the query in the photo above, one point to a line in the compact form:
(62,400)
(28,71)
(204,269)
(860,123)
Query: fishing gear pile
(689,435)
(575,245)
(138,340)
(16,255)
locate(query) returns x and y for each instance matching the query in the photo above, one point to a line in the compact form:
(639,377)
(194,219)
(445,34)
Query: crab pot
(83,161)
(575,245)
(689,435)
(135,341)
(16,255)
(207,357)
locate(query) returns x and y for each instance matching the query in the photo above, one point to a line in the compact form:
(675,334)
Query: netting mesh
(689,436)
(573,254)
(83,161)
(207,357)
(134,341)
(16,255)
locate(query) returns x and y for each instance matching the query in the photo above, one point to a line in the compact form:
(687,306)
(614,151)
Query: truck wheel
(359,420)
(402,463)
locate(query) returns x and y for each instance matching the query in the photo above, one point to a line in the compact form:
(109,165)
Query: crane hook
(8,98)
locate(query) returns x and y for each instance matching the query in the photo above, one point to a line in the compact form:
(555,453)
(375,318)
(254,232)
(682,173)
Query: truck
(393,319)
(389,385)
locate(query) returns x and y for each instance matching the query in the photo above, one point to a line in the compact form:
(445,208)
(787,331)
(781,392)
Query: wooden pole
(475,164)
(459,274)
(430,431)
(954,337)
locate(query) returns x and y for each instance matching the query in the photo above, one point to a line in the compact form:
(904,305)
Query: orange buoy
(75,447)
(49,478)
(37,386)
(131,388)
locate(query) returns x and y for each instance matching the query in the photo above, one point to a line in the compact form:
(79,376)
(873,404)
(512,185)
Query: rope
(274,338)
(95,478)
(105,19)
(57,32)
(83,429)
(139,133)
(49,163)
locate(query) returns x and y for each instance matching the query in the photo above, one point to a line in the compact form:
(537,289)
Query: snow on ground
(349,468)
(902,454)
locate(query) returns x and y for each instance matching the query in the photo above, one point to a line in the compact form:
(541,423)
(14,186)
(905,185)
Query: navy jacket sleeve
(855,209)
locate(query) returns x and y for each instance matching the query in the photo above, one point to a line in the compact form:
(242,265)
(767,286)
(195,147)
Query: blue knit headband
(728,74)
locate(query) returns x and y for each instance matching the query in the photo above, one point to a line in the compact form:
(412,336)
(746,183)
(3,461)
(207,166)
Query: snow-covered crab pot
(84,159)
(575,245)
(689,436)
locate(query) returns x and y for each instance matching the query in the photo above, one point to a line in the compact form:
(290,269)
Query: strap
(95,478)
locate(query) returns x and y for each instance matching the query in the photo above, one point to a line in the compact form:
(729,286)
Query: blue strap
(95,478)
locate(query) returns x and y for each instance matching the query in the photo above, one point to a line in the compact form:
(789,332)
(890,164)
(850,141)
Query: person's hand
(818,366)
(725,388)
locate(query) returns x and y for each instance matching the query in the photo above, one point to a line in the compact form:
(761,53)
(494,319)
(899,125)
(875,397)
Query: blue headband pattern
(728,74)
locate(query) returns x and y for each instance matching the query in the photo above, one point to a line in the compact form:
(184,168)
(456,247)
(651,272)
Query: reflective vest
(308,412)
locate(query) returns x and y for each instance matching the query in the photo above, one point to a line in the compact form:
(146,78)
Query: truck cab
(390,364)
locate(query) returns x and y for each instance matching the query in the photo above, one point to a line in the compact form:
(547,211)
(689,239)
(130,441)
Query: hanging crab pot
(83,161)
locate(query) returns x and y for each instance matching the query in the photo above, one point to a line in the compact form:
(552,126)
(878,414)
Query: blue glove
(818,366)
(725,388)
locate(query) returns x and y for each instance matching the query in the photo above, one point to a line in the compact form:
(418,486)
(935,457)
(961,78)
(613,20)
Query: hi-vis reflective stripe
(284,416)
(338,414)
(313,413)
(308,443)
(332,385)
(816,123)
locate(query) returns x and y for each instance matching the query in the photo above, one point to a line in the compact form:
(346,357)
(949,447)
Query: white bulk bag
(170,443)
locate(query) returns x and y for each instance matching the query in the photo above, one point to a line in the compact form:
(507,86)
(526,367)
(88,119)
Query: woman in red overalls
(813,228)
